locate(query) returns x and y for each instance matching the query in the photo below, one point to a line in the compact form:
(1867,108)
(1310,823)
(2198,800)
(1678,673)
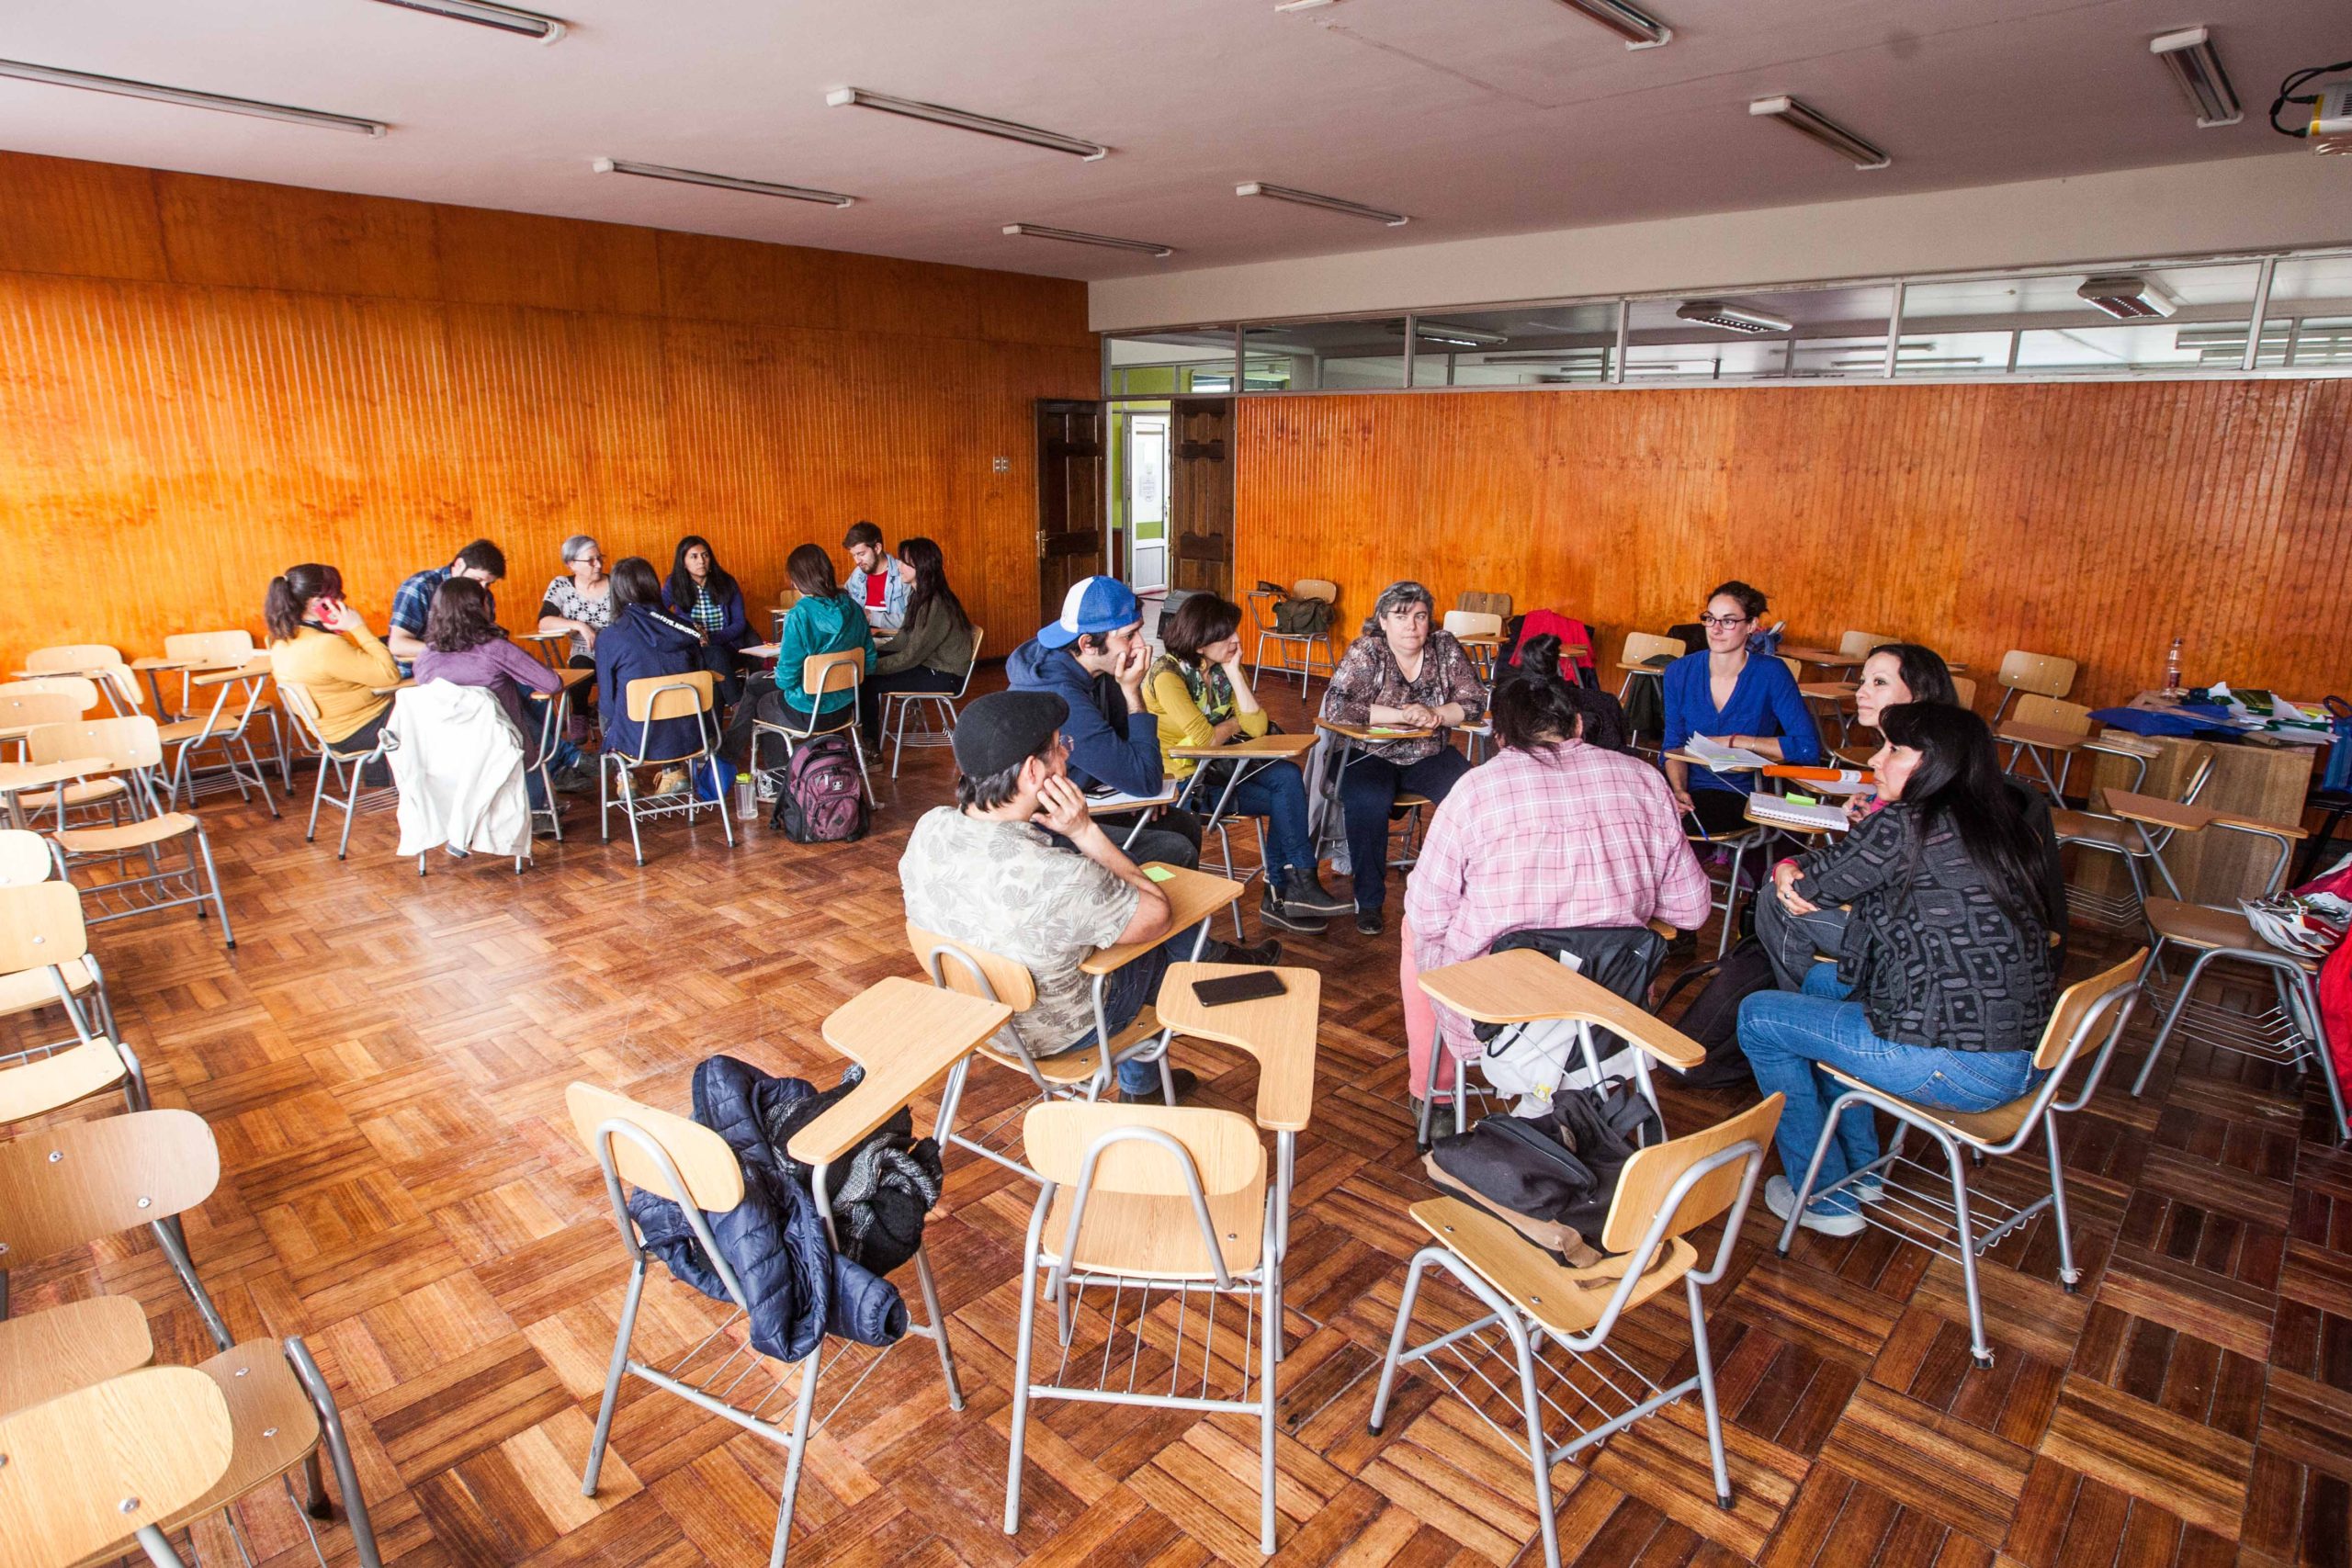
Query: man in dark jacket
(1094,659)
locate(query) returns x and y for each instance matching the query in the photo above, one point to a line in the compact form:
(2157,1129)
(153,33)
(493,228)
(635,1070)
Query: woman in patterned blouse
(1398,674)
(704,593)
(1946,976)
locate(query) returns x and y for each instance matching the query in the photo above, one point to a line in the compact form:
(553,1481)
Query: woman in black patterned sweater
(1947,977)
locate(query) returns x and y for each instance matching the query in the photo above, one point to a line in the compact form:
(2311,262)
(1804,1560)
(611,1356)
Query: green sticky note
(1797,799)
(1160,873)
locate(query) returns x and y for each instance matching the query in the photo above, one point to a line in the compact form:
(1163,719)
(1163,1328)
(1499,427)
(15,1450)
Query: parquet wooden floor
(383,1060)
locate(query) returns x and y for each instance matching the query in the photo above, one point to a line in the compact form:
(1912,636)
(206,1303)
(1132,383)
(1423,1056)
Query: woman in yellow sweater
(319,643)
(1202,697)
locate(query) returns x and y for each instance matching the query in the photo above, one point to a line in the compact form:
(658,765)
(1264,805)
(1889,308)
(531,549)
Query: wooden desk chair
(130,748)
(2107,834)
(1633,660)
(43,699)
(1964,688)
(1910,1205)
(555,715)
(72,658)
(225,730)
(338,768)
(1535,1306)
(212,651)
(906,1034)
(2289,1032)
(99,1466)
(823,674)
(1523,985)
(1194,898)
(1326,641)
(1859,645)
(2045,674)
(1144,1199)
(45,961)
(1241,760)
(1481,636)
(1485,603)
(653,697)
(925,707)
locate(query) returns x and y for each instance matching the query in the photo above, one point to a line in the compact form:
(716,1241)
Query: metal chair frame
(343,766)
(231,648)
(187,774)
(1220,822)
(97,1024)
(846,724)
(924,706)
(1912,1210)
(2116,911)
(708,1383)
(1529,1339)
(686,803)
(1307,643)
(119,897)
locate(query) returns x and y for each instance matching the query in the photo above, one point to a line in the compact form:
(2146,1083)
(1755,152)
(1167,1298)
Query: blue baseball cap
(1092,606)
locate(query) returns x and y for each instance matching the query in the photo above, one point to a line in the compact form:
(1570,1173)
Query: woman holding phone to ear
(319,643)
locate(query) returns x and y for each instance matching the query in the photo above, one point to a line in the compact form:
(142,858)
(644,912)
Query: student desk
(16,777)
(1347,740)
(1246,758)
(1280,1032)
(2265,782)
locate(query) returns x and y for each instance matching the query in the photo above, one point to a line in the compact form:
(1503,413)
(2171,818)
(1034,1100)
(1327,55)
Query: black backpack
(1560,1169)
(1713,1018)
(822,799)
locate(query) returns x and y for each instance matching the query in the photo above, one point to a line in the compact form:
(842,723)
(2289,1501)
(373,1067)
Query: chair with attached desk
(340,766)
(2043,726)
(1908,1202)
(1194,898)
(2043,674)
(201,651)
(1481,636)
(2289,1032)
(1138,1201)
(905,1036)
(1326,641)
(1241,759)
(925,707)
(1859,645)
(652,698)
(1408,811)
(821,675)
(43,699)
(1539,1345)
(2105,833)
(73,1183)
(130,749)
(45,961)
(224,729)
(96,1465)
(1634,659)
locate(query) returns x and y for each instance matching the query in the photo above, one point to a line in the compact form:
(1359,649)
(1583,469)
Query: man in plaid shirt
(412,599)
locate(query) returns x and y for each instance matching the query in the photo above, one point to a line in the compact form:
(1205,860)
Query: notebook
(1722,759)
(1788,813)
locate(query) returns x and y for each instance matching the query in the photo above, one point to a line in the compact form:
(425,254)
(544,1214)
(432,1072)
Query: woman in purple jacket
(464,647)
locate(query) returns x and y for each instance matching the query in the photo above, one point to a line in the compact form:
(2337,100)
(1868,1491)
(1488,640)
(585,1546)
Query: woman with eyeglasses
(581,600)
(1735,698)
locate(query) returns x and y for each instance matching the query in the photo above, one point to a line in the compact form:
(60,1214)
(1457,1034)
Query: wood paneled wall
(2093,521)
(203,381)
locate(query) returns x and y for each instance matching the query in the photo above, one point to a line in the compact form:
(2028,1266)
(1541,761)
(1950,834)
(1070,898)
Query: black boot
(1280,913)
(1302,893)
(1258,952)
(1185,1078)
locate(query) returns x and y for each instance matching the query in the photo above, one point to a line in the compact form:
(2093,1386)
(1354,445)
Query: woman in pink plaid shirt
(1555,831)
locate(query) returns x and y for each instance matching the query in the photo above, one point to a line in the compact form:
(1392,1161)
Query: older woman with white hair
(1400,673)
(581,600)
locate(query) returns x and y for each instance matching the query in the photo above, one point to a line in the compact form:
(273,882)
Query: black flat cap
(1004,730)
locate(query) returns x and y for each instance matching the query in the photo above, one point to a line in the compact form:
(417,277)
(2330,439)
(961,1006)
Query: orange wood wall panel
(2095,521)
(203,381)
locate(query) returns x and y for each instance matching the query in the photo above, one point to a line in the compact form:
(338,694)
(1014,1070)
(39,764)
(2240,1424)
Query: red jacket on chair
(1572,633)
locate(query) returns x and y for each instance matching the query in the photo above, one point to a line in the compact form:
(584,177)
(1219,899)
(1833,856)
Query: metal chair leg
(800,1422)
(1979,1349)
(212,875)
(1707,1391)
(938,1322)
(2069,1275)
(1025,1347)
(2172,1016)
(621,1336)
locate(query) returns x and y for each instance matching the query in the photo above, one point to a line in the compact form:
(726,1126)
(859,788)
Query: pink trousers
(1420,1019)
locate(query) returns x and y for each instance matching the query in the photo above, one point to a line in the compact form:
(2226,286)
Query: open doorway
(1169,496)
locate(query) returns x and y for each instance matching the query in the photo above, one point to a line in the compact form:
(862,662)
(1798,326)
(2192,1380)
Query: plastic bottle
(2172,670)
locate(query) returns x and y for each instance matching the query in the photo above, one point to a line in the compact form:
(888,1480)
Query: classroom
(1329,782)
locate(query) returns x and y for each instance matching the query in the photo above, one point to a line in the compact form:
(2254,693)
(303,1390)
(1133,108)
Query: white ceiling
(1477,117)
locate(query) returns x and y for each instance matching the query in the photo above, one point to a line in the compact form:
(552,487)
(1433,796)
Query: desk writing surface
(1279,1032)
(1523,984)
(2040,734)
(1375,733)
(1193,896)
(1258,745)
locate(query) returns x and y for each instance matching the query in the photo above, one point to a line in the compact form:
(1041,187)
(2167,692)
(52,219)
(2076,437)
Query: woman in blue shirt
(1738,698)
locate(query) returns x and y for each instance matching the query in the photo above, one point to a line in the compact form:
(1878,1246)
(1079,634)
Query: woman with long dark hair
(1200,693)
(1554,832)
(823,620)
(701,593)
(934,648)
(319,643)
(643,641)
(1947,974)
(464,647)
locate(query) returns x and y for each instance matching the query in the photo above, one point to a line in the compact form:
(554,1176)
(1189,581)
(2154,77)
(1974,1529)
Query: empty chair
(225,728)
(1857,646)
(1535,1305)
(1908,1201)
(45,961)
(925,707)
(1481,636)
(1964,688)
(652,699)
(94,1468)
(72,658)
(340,766)
(1263,618)
(2021,672)
(1494,604)
(1636,659)
(132,748)
(2038,712)
(229,650)
(2107,834)
(43,699)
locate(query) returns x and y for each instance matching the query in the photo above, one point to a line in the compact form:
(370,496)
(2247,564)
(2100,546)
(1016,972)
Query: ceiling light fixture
(1804,119)
(964,120)
(1450,336)
(1636,27)
(1305,5)
(1078,237)
(721,182)
(24,71)
(2128,297)
(1731,318)
(2194,62)
(1329,203)
(504,19)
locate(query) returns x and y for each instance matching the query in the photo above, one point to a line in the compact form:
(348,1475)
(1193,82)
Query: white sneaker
(1782,1198)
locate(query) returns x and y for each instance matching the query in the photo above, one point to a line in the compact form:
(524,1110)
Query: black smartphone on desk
(1226,989)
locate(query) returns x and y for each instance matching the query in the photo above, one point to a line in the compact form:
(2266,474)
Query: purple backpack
(823,797)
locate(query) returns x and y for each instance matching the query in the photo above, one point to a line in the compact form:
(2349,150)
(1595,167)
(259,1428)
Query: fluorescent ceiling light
(1802,117)
(2189,55)
(186,98)
(1636,27)
(1304,5)
(721,182)
(506,18)
(1329,203)
(1731,318)
(1450,336)
(1078,237)
(2130,298)
(963,119)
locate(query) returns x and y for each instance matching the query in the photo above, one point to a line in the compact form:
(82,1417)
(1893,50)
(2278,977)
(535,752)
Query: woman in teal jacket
(824,620)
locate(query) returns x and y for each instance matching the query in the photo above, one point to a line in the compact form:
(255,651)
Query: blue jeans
(1790,1036)
(1123,996)
(1368,791)
(561,757)
(1276,792)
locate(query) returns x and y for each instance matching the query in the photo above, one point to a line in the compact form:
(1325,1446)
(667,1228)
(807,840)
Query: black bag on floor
(1561,1169)
(1712,1018)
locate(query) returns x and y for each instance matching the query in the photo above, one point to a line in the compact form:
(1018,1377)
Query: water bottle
(2172,670)
(747,803)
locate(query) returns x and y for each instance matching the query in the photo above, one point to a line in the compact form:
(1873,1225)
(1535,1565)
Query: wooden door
(1073,494)
(1201,498)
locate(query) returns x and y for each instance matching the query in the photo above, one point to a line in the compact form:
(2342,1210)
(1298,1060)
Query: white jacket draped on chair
(459,762)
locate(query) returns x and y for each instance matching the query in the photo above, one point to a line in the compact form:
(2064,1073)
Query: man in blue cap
(1094,658)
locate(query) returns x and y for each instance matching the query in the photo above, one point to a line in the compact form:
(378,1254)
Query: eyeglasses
(1725,622)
